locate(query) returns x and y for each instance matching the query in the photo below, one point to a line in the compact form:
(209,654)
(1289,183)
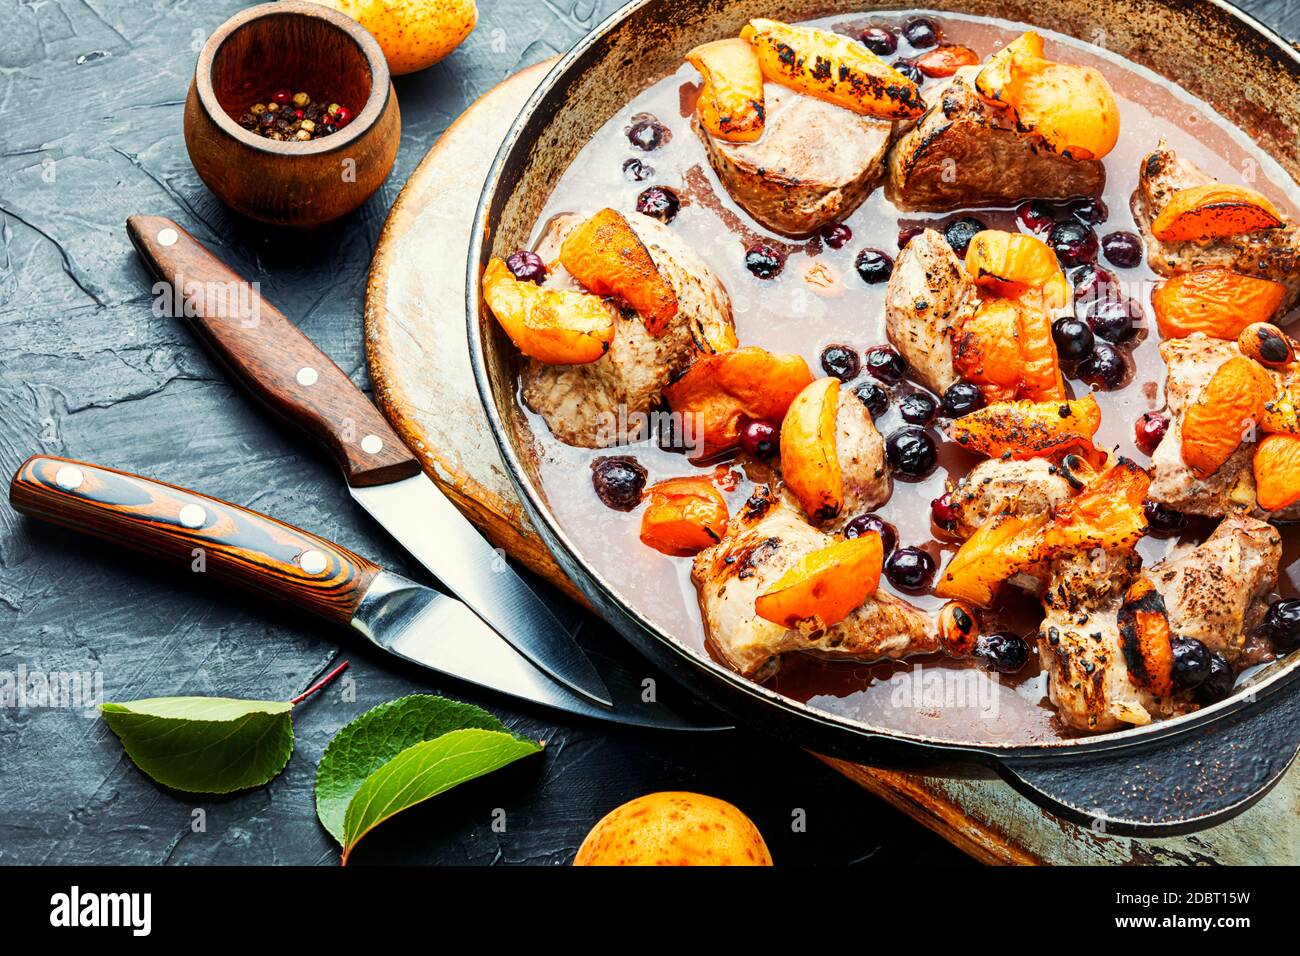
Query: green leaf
(426,770)
(376,737)
(204,744)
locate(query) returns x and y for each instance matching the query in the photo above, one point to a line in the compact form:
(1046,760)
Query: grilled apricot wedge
(1145,638)
(1000,548)
(825,586)
(1022,430)
(730,105)
(553,326)
(683,516)
(1218,302)
(833,68)
(718,392)
(1108,513)
(1009,264)
(1277,472)
(1282,411)
(809,456)
(1006,348)
(1214,211)
(1232,404)
(606,255)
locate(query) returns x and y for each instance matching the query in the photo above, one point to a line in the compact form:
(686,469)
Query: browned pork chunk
(1269,254)
(814,164)
(599,404)
(1003,486)
(763,541)
(965,152)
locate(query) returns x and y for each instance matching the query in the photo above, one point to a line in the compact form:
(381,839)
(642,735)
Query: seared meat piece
(1213,592)
(1079,644)
(965,152)
(597,405)
(814,164)
(928,291)
(1192,362)
(997,486)
(763,541)
(1269,254)
(861,454)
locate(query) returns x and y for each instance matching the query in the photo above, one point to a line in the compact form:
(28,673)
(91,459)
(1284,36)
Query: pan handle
(1189,781)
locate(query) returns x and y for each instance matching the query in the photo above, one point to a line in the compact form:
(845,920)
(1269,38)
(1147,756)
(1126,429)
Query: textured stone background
(90,132)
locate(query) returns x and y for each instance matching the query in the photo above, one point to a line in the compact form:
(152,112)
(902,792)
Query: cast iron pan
(1168,778)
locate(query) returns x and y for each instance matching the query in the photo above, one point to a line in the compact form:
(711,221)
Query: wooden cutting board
(419,366)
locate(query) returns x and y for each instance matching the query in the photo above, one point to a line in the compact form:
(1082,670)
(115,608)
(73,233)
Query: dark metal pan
(1171,777)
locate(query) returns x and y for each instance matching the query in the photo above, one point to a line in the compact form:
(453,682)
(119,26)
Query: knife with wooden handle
(283,368)
(294,568)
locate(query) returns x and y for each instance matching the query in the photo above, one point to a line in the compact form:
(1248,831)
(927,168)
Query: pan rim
(601,592)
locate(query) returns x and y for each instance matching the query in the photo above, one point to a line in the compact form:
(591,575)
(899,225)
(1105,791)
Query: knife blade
(261,555)
(281,366)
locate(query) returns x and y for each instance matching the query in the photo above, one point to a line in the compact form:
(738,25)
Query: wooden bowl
(294,45)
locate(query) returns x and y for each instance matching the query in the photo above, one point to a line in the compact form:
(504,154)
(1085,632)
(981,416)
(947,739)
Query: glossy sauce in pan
(934,695)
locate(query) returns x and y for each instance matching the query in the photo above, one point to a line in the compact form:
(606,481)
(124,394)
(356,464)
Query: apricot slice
(1072,107)
(946,60)
(605,254)
(833,68)
(683,516)
(553,326)
(1006,348)
(1009,264)
(1023,430)
(1282,412)
(825,586)
(1218,302)
(809,457)
(1214,211)
(1231,404)
(1001,547)
(730,104)
(1277,472)
(1267,344)
(1145,638)
(719,391)
(1108,513)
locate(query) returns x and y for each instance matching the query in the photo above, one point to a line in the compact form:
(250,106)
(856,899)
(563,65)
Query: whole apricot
(674,828)
(414,34)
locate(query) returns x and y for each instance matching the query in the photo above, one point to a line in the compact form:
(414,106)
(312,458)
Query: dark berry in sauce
(961,231)
(1036,215)
(921,32)
(1122,249)
(841,361)
(759,439)
(962,398)
(836,235)
(942,513)
(1105,369)
(1114,319)
(1073,242)
(526,266)
(1002,652)
(619,481)
(764,261)
(918,408)
(865,524)
(885,364)
(635,171)
(874,397)
(648,134)
(1218,685)
(1191,662)
(658,202)
(909,70)
(1163,520)
(1074,340)
(1090,211)
(911,452)
(1282,624)
(1150,431)
(1092,282)
(879,40)
(874,266)
(910,569)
